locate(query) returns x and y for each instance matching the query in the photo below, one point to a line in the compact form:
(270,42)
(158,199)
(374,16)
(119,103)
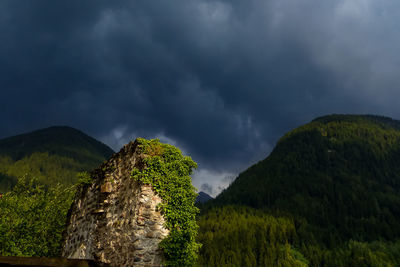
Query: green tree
(32,219)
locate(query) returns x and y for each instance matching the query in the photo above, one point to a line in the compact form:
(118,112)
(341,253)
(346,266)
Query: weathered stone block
(106,188)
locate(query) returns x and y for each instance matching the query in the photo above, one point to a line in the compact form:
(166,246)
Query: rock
(106,188)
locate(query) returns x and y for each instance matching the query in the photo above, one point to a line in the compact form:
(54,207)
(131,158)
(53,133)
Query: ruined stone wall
(114,219)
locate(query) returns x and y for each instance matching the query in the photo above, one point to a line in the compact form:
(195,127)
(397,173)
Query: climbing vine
(168,171)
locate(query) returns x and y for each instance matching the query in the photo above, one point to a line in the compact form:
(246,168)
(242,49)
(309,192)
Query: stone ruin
(114,220)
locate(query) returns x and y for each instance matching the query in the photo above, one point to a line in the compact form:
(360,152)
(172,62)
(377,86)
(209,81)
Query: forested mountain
(338,179)
(52,155)
(327,195)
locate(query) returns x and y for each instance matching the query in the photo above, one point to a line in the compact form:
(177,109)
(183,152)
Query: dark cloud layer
(223,80)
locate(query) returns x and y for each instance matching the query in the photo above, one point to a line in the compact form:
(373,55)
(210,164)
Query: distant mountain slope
(339,176)
(59,140)
(52,155)
(203,197)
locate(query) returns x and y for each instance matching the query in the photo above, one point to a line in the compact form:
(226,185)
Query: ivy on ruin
(168,172)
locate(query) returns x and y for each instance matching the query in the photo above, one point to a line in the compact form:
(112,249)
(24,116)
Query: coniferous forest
(327,195)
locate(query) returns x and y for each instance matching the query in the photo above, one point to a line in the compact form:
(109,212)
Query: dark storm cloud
(223,80)
(207,188)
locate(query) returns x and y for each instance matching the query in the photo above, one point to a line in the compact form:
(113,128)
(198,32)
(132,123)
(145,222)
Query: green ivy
(84,178)
(168,171)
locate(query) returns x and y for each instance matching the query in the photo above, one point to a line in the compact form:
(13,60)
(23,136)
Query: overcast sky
(222,80)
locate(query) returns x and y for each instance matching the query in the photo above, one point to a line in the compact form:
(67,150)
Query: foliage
(355,253)
(47,169)
(168,171)
(6,182)
(32,219)
(53,155)
(241,236)
(84,178)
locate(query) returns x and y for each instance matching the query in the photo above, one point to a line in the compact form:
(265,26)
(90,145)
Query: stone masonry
(114,220)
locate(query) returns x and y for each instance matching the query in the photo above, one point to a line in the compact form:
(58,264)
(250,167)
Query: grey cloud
(207,188)
(222,79)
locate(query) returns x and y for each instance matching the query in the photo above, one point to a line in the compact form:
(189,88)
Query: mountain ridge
(40,140)
(52,155)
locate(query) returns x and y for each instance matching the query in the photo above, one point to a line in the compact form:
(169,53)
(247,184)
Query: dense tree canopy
(241,236)
(32,219)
